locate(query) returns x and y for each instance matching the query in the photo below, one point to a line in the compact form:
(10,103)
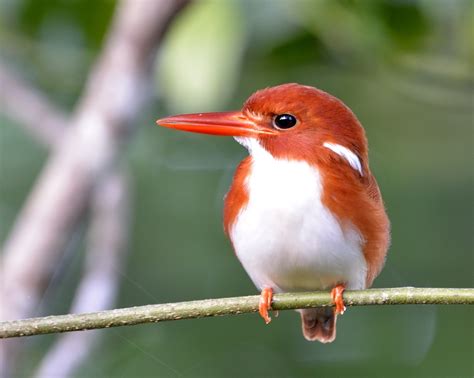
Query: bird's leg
(336,295)
(265,303)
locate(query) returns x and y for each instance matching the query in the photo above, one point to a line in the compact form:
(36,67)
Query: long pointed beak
(224,123)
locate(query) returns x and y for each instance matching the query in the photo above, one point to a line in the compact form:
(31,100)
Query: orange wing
(356,200)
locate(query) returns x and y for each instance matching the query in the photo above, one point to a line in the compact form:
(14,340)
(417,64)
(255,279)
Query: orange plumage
(304,211)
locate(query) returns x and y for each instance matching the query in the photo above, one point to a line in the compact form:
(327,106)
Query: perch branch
(228,306)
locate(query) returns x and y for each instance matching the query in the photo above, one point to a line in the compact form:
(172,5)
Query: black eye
(284,121)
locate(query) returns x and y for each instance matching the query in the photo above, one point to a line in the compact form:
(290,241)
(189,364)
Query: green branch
(227,306)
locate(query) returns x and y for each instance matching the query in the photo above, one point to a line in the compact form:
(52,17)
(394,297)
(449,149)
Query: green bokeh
(405,70)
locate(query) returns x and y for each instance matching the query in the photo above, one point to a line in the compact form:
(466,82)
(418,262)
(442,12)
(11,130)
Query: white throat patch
(347,154)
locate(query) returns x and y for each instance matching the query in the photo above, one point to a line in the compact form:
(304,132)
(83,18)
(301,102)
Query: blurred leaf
(299,48)
(201,57)
(405,22)
(348,29)
(359,31)
(92,17)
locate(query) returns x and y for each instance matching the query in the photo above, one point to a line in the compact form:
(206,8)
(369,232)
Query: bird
(304,211)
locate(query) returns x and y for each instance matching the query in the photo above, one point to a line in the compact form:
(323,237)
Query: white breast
(285,238)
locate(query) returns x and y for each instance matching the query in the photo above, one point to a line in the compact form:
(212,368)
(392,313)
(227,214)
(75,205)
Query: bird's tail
(319,324)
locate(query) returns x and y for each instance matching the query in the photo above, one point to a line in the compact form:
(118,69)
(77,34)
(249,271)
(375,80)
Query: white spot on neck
(347,154)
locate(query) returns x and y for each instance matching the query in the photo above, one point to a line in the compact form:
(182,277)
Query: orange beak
(224,123)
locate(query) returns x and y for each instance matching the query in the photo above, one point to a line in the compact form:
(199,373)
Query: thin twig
(30,108)
(228,306)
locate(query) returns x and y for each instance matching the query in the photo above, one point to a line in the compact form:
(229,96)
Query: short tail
(319,324)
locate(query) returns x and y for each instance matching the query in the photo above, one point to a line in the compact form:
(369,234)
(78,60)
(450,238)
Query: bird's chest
(286,238)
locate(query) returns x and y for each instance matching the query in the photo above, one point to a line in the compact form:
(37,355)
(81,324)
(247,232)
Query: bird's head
(289,121)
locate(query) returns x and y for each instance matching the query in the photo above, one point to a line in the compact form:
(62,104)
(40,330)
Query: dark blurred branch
(28,107)
(229,306)
(90,146)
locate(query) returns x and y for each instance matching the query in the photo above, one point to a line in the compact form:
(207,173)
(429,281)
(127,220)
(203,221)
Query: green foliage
(91,17)
(202,51)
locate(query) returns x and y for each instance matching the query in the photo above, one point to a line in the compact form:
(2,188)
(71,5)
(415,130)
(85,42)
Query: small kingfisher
(303,212)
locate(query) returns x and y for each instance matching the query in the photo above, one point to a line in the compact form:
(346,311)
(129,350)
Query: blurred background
(405,67)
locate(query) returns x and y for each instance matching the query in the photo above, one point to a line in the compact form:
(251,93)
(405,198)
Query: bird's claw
(265,304)
(336,295)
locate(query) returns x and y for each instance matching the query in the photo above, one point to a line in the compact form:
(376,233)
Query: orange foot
(265,304)
(336,295)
